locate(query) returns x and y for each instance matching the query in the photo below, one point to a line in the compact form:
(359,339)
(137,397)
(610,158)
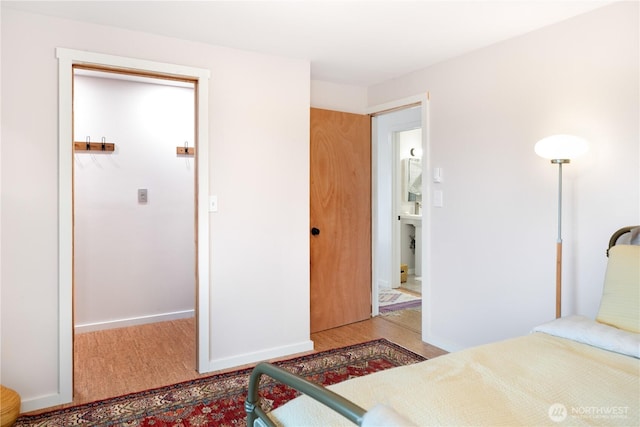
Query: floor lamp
(560,149)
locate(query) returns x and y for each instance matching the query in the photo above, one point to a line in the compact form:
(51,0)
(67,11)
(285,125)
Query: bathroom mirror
(412,179)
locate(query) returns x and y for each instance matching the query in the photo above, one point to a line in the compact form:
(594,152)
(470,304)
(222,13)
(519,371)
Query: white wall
(493,242)
(134,262)
(259,168)
(338,97)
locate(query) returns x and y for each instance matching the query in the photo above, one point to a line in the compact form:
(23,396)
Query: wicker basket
(9,406)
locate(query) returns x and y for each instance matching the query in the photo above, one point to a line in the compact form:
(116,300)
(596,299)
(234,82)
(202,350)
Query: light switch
(142,195)
(437,174)
(437,199)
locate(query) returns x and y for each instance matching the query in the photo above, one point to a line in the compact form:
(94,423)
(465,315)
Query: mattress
(537,379)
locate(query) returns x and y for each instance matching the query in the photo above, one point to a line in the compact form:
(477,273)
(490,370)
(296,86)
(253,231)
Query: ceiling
(348,42)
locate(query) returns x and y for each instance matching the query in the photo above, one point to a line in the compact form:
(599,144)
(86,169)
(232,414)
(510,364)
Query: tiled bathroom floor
(412,284)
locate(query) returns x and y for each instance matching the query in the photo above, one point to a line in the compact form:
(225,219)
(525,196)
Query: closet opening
(68,59)
(134,231)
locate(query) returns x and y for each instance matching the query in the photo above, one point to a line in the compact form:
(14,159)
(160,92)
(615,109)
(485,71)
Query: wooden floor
(410,318)
(119,361)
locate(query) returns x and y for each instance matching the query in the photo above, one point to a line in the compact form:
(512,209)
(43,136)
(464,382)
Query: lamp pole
(559,149)
(559,162)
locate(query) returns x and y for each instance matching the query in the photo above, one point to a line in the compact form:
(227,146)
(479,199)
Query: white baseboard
(133,321)
(439,342)
(383,284)
(36,403)
(259,356)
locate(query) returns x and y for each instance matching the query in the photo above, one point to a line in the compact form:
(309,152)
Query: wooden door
(340,218)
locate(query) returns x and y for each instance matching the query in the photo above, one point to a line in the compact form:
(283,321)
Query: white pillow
(588,331)
(620,304)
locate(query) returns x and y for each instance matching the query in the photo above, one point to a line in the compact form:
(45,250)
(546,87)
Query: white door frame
(423,100)
(396,228)
(66,59)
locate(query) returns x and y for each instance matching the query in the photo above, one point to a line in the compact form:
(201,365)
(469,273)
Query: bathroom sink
(410,216)
(415,221)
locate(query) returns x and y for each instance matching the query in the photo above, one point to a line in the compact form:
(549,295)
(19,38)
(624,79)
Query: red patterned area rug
(218,400)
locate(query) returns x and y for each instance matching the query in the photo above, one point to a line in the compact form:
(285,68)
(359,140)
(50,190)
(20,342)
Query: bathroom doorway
(408,199)
(398,215)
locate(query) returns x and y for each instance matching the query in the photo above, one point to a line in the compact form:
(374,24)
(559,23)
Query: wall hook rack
(94,146)
(186,150)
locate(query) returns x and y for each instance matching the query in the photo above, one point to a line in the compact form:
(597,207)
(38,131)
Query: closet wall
(134,260)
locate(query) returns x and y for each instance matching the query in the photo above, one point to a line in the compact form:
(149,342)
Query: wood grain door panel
(340,155)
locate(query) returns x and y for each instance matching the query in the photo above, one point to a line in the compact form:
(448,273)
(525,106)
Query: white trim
(396,169)
(202,281)
(66,59)
(65,233)
(133,321)
(375,302)
(395,206)
(376,109)
(427,301)
(441,343)
(46,401)
(134,64)
(267,354)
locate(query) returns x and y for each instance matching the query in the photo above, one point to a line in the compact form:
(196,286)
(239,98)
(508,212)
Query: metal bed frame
(255,414)
(354,413)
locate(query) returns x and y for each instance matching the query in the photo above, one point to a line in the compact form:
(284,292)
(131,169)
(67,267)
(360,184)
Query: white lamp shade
(561,147)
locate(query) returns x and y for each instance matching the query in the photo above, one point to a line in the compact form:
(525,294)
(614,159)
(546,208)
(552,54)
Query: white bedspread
(534,380)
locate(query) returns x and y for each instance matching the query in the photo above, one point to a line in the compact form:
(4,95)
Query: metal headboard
(615,236)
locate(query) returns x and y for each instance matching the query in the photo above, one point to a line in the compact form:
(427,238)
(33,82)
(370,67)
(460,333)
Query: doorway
(407,196)
(134,220)
(67,59)
(398,144)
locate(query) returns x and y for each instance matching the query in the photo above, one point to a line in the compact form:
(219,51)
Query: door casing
(67,58)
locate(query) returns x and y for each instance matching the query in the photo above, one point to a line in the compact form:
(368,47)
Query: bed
(570,371)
